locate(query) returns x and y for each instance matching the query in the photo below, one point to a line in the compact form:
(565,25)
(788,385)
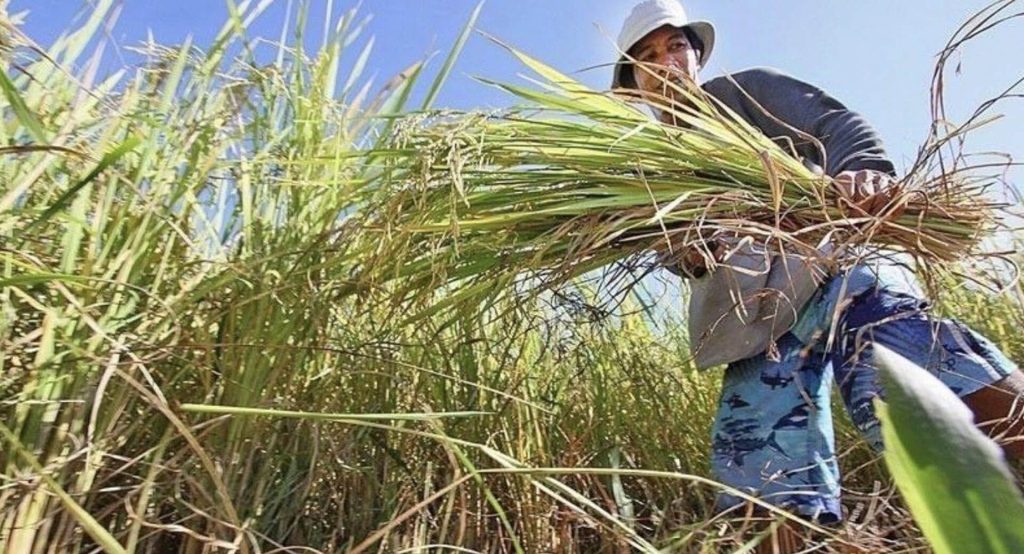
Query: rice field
(191,362)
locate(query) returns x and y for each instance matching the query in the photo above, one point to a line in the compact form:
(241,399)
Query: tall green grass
(185,367)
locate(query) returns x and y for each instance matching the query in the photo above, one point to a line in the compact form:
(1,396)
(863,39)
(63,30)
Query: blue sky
(874,55)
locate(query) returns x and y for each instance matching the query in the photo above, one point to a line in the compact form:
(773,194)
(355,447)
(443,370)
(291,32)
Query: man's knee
(999,411)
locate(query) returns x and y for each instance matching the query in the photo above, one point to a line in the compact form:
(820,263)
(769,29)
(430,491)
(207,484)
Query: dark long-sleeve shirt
(777,104)
(756,296)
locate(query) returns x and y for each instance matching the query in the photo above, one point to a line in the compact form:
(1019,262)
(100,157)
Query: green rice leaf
(954,478)
(245,411)
(21,110)
(453,56)
(108,160)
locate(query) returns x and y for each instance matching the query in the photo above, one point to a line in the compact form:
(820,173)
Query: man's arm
(791,112)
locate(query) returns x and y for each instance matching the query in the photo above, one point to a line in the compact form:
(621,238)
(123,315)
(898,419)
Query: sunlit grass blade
(453,56)
(22,112)
(241,411)
(108,160)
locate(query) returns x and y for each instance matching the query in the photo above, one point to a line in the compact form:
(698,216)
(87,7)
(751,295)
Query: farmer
(773,433)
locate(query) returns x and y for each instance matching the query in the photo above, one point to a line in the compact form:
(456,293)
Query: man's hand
(867,191)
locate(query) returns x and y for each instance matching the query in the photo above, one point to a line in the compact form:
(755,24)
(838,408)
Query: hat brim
(705,31)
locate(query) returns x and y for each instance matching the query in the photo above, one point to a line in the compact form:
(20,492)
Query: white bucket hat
(651,15)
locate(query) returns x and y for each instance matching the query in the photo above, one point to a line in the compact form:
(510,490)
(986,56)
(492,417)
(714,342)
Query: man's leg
(970,365)
(773,435)
(999,411)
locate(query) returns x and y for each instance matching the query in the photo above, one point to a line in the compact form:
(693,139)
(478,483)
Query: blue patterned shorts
(773,435)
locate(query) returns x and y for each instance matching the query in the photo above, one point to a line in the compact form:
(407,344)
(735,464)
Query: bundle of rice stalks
(579,179)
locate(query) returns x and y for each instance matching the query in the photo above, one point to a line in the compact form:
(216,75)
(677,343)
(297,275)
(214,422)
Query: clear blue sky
(874,55)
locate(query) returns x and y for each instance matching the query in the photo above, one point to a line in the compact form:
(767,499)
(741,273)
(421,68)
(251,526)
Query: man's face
(666,54)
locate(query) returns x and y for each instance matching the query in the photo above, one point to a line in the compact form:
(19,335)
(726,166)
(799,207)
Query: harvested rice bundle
(580,179)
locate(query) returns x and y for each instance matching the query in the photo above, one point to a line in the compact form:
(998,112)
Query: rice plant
(193,360)
(164,230)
